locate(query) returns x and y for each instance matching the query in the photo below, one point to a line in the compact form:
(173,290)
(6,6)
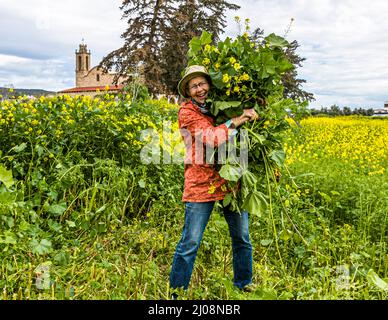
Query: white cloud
(343,42)
(34,73)
(46,34)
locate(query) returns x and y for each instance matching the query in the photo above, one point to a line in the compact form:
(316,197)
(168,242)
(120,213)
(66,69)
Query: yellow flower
(225,78)
(206,61)
(217,66)
(232,60)
(244,77)
(212,189)
(236,89)
(236,66)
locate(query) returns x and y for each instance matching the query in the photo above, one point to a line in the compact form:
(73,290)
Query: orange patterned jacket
(202,181)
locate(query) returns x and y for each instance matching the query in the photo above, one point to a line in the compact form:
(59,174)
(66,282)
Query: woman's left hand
(251,114)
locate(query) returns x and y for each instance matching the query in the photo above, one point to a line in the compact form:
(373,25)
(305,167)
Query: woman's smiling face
(198,89)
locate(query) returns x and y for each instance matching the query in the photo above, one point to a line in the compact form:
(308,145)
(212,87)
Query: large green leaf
(206,38)
(222,105)
(230,108)
(284,65)
(276,41)
(6,177)
(268,64)
(6,197)
(227,200)
(376,280)
(234,112)
(62,258)
(195,45)
(42,247)
(8,237)
(278,156)
(255,203)
(230,173)
(216,77)
(249,179)
(58,208)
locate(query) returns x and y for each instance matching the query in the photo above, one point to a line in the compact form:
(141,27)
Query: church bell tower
(82,63)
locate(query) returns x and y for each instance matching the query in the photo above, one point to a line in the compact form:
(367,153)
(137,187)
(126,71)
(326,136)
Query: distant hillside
(21,92)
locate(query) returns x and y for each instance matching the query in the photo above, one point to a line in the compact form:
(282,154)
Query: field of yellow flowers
(361,143)
(82,217)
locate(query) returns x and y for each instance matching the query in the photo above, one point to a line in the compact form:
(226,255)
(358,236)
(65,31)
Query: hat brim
(183,82)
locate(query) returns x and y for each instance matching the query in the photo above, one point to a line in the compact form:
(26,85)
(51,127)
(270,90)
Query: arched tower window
(79,63)
(98,77)
(87,63)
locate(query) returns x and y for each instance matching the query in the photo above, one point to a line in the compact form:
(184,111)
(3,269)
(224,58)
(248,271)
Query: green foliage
(244,75)
(241,70)
(96,223)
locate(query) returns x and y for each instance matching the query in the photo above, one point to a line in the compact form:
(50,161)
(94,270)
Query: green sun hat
(190,73)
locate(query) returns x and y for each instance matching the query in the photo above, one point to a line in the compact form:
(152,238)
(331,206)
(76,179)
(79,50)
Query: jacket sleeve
(200,127)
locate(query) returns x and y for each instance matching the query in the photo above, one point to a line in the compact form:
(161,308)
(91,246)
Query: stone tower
(82,63)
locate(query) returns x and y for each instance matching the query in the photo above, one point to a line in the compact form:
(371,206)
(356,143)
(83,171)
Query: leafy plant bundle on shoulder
(248,74)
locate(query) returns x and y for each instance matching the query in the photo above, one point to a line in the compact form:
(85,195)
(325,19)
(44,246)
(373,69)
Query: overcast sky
(345,42)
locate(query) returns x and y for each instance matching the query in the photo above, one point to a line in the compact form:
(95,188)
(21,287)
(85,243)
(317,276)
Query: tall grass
(77,226)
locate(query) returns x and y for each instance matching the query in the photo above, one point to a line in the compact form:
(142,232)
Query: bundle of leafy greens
(248,74)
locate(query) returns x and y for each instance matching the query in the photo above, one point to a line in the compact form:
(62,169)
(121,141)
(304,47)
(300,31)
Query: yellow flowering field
(359,142)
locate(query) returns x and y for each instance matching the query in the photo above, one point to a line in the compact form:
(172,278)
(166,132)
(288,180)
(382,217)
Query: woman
(203,184)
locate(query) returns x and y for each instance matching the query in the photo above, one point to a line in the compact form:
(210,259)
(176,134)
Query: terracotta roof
(93,89)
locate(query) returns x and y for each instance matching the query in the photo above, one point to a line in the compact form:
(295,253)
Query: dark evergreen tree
(191,18)
(157,38)
(292,84)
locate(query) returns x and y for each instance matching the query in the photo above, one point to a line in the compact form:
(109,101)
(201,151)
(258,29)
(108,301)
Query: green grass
(93,228)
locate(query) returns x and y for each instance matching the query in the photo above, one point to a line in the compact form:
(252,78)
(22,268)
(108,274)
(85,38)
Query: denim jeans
(196,218)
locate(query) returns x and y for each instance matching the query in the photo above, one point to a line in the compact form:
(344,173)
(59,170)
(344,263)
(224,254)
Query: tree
(292,85)
(190,19)
(347,111)
(157,37)
(143,39)
(335,110)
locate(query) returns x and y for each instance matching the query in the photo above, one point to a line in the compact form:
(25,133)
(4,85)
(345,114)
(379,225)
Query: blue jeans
(196,218)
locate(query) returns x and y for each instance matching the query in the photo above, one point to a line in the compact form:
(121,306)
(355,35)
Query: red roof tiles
(93,89)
